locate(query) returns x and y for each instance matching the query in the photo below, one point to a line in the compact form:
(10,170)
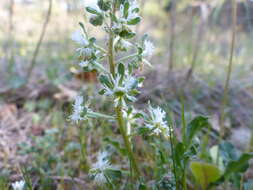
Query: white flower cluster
(99,168)
(79,38)
(86,52)
(157,122)
(79,110)
(148,49)
(121,89)
(18,185)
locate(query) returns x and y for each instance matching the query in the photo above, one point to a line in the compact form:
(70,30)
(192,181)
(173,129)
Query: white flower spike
(156,122)
(79,38)
(149,49)
(77,109)
(18,185)
(98,168)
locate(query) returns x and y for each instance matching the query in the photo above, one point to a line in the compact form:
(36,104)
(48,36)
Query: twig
(11,40)
(199,38)
(36,52)
(225,93)
(172,33)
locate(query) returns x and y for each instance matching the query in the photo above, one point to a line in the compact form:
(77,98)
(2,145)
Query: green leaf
(96,20)
(204,173)
(113,173)
(104,80)
(127,34)
(228,151)
(104,5)
(126,8)
(121,69)
(92,11)
(240,165)
(194,127)
(179,154)
(82,26)
(134,21)
(234,167)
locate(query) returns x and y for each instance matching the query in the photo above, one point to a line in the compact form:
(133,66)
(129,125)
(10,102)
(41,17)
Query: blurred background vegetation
(193,42)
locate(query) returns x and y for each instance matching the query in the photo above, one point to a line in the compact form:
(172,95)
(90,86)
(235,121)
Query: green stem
(101,49)
(225,95)
(126,141)
(110,46)
(172,150)
(127,57)
(95,115)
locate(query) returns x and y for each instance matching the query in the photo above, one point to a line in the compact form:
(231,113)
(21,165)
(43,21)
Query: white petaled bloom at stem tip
(78,110)
(149,49)
(79,38)
(156,122)
(98,168)
(18,185)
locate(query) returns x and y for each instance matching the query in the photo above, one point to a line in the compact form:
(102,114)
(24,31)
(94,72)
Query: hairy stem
(126,140)
(110,45)
(118,109)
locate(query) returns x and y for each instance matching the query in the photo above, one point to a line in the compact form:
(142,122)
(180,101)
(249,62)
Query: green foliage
(204,173)
(4,183)
(194,127)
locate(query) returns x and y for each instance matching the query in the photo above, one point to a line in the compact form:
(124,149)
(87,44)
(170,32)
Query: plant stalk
(36,52)
(229,71)
(110,45)
(118,109)
(126,140)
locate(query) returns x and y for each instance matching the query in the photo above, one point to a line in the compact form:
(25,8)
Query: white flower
(125,44)
(18,185)
(84,64)
(129,82)
(156,122)
(87,52)
(149,49)
(77,110)
(79,38)
(99,167)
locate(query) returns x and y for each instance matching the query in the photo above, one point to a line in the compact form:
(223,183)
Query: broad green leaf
(204,173)
(234,167)
(194,127)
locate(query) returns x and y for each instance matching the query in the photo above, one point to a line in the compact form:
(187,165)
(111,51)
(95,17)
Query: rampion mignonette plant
(119,82)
